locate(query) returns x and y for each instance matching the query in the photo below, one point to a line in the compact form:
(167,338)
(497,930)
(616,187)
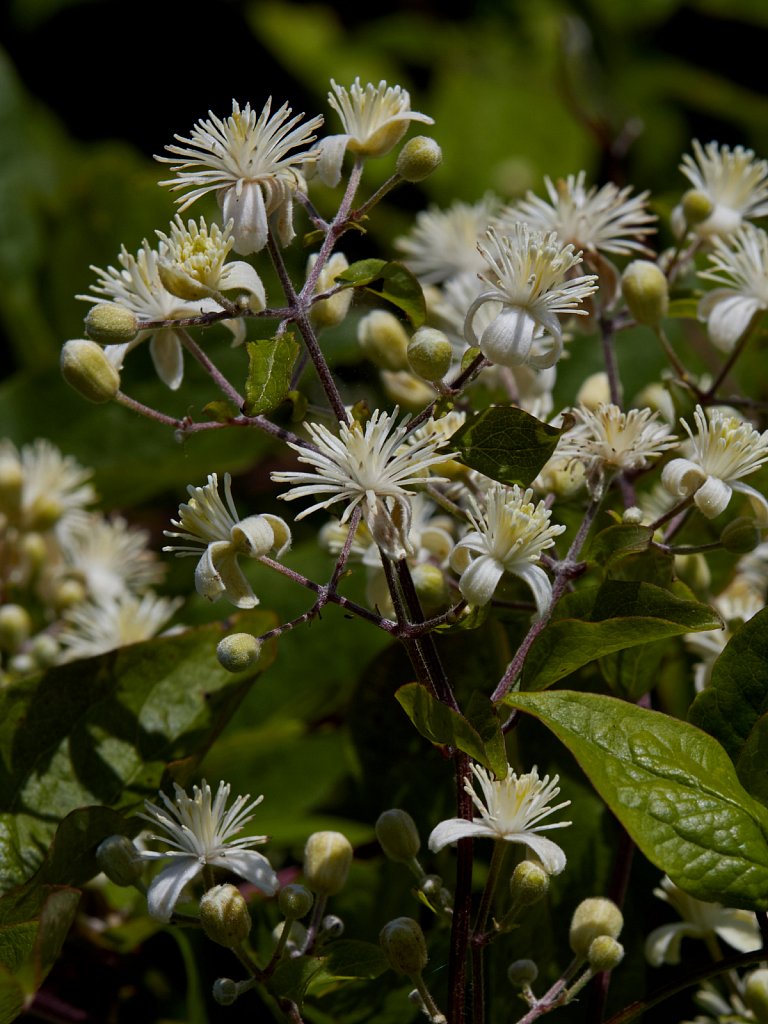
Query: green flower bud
(111,324)
(35,549)
(431,586)
(594,917)
(85,367)
(430,353)
(68,594)
(327,858)
(529,883)
(295,901)
(383,340)
(522,973)
(404,947)
(418,158)
(238,651)
(604,953)
(697,206)
(44,650)
(15,627)
(398,835)
(645,292)
(224,916)
(756,994)
(740,536)
(120,861)
(225,991)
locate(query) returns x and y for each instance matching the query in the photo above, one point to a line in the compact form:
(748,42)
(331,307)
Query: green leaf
(391,281)
(483,716)
(616,542)
(220,411)
(101,732)
(444,726)
(506,443)
(734,706)
(270,364)
(673,788)
(617,615)
(352,959)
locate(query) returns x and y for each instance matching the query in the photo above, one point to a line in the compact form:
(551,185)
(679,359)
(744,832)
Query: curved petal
(281,219)
(757,500)
(540,585)
(544,356)
(331,152)
(237,589)
(281,533)
(712,497)
(208,582)
(682,477)
(165,349)
(479,580)
(253,536)
(551,856)
(164,889)
(453,829)
(245,207)
(729,317)
(508,340)
(663,944)
(740,931)
(241,275)
(250,865)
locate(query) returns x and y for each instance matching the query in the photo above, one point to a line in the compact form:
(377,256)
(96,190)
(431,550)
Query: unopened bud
(238,651)
(15,627)
(694,571)
(398,836)
(120,861)
(592,918)
(11,483)
(35,549)
(522,972)
(740,536)
(430,353)
(406,390)
(697,206)
(330,312)
(529,883)
(404,947)
(383,339)
(594,391)
(68,594)
(605,953)
(633,516)
(225,991)
(86,368)
(418,158)
(108,323)
(756,994)
(327,859)
(331,927)
(646,292)
(224,916)
(295,901)
(44,650)
(431,586)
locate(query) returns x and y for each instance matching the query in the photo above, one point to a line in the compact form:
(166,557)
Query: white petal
(712,497)
(253,536)
(165,889)
(663,944)
(540,585)
(729,317)
(165,349)
(249,214)
(281,532)
(453,829)
(330,156)
(551,856)
(757,500)
(508,340)
(281,220)
(244,278)
(479,580)
(741,932)
(250,865)
(682,477)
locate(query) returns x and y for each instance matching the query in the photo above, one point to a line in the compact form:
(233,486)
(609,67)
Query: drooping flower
(200,832)
(740,266)
(508,537)
(723,450)
(95,627)
(443,243)
(374,118)
(527,272)
(700,920)
(511,811)
(368,466)
(606,219)
(246,160)
(207,522)
(732,180)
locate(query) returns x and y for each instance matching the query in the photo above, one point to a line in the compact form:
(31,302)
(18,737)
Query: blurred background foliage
(518,89)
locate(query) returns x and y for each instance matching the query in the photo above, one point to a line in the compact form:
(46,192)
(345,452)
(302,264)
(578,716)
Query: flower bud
(238,651)
(44,650)
(430,353)
(633,516)
(68,594)
(295,901)
(35,549)
(225,991)
(697,206)
(109,323)
(756,994)
(224,916)
(404,947)
(522,972)
(645,292)
(398,835)
(431,586)
(331,927)
(327,858)
(406,390)
(330,312)
(15,627)
(740,536)
(604,953)
(86,368)
(418,158)
(595,390)
(119,859)
(593,917)
(383,340)
(529,883)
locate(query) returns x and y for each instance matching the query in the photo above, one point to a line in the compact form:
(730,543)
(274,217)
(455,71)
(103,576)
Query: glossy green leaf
(101,732)
(506,443)
(673,788)
(444,726)
(391,281)
(617,542)
(270,365)
(615,616)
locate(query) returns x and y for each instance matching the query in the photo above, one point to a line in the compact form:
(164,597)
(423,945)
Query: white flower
(443,243)
(246,161)
(370,467)
(109,555)
(700,920)
(96,627)
(374,118)
(740,264)
(528,274)
(737,604)
(205,521)
(509,537)
(735,183)
(513,808)
(602,219)
(40,485)
(200,832)
(724,449)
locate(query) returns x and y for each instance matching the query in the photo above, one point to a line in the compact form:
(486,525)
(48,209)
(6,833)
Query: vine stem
(479,937)
(608,337)
(210,368)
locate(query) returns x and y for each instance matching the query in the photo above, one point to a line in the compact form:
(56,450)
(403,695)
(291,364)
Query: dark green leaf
(391,281)
(270,364)
(442,725)
(616,542)
(352,959)
(506,443)
(673,788)
(483,716)
(293,976)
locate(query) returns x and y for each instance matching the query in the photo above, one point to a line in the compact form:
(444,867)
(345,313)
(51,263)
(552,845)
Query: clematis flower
(108,555)
(734,183)
(40,485)
(442,245)
(740,266)
(95,627)
(512,810)
(723,450)
(207,522)
(200,832)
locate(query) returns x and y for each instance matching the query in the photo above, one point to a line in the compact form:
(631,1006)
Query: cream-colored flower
(246,160)
(374,118)
(512,810)
(207,522)
(200,832)
(96,627)
(527,272)
(39,485)
(732,180)
(723,450)
(740,266)
(108,555)
(736,604)
(443,243)
(508,537)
